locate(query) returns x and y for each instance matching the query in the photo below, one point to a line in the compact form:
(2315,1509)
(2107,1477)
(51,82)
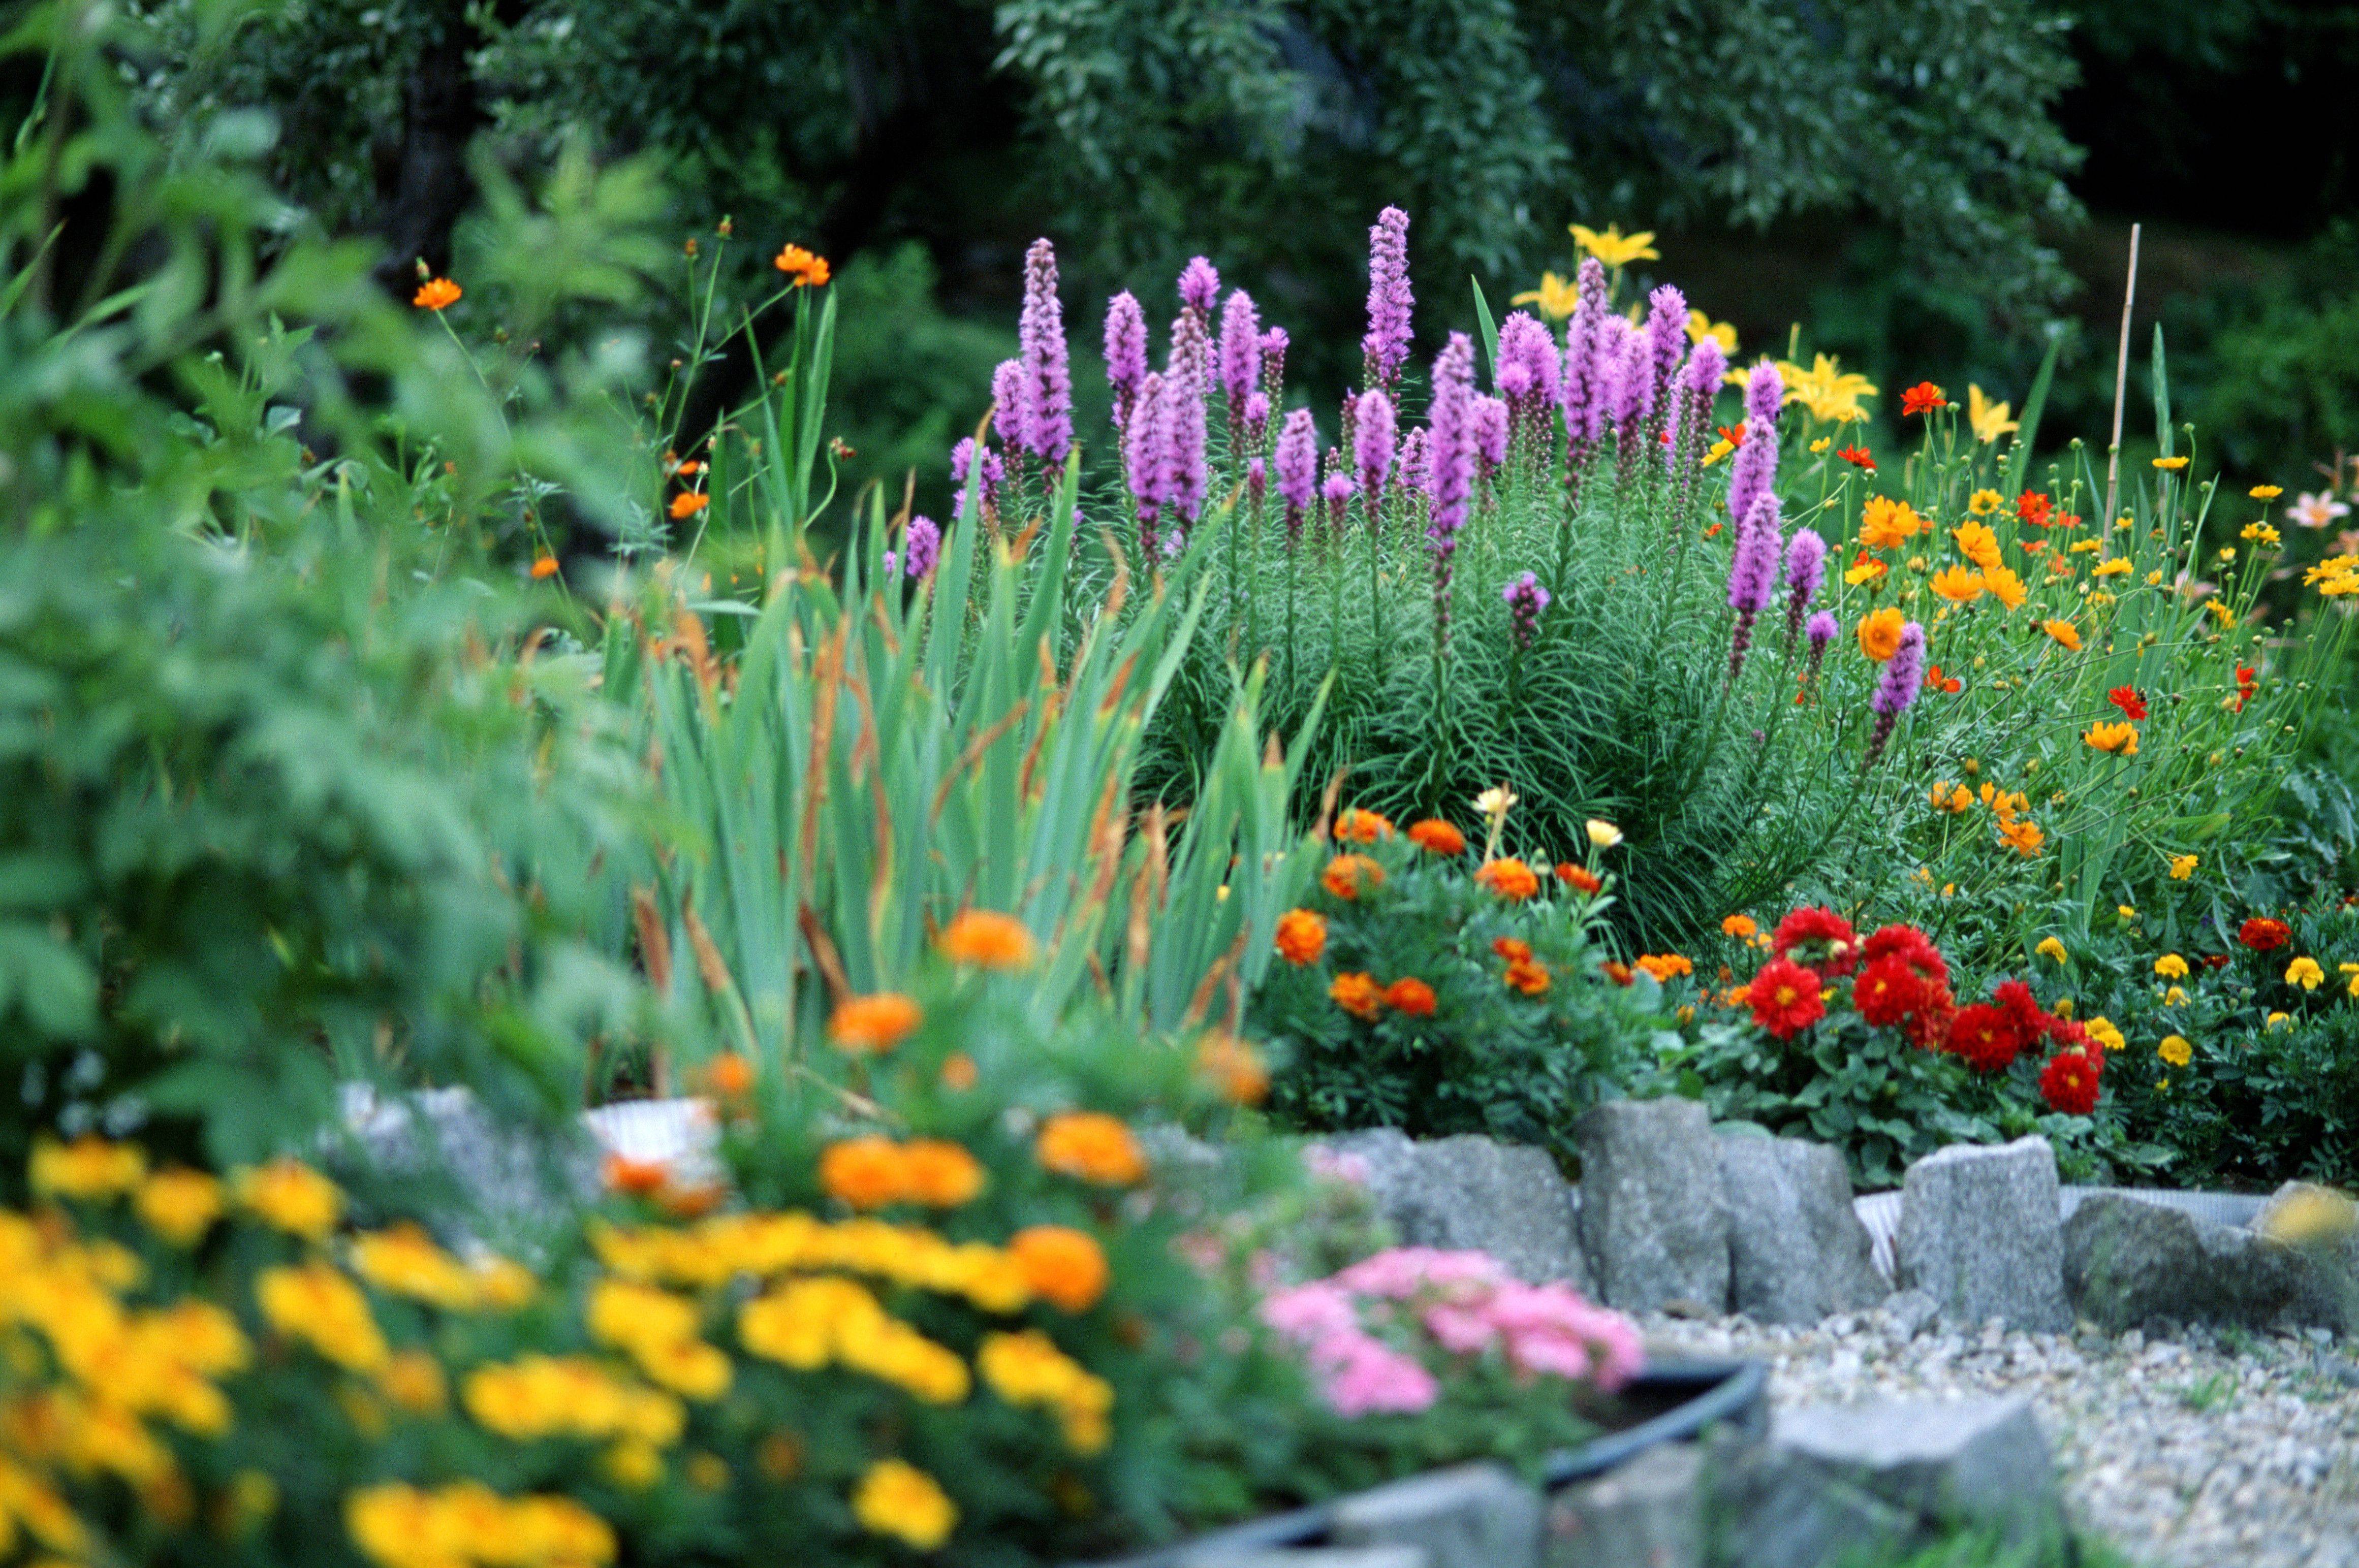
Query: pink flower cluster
(1466,1303)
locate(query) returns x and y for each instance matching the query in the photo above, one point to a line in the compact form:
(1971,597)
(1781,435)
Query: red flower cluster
(1857,456)
(1904,983)
(1785,998)
(2263,935)
(1819,937)
(1936,681)
(2035,507)
(2071,1078)
(2247,683)
(1922,398)
(1991,1035)
(2129,700)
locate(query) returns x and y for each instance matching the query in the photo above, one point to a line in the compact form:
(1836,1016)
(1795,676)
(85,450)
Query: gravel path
(2211,1452)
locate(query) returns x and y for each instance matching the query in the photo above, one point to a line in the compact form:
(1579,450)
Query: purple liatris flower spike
(1904,673)
(1806,568)
(964,460)
(1142,455)
(1526,598)
(1256,480)
(1491,431)
(1182,419)
(1583,393)
(923,541)
(1273,362)
(1754,467)
(1764,390)
(1047,373)
(1667,338)
(1389,300)
(1450,419)
(1415,459)
(1752,573)
(1257,418)
(1240,351)
(1297,469)
(1372,445)
(1336,489)
(1126,353)
(1012,418)
(1707,364)
(1200,286)
(1622,373)
(1821,632)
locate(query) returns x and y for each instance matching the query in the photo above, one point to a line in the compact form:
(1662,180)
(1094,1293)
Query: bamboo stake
(2121,383)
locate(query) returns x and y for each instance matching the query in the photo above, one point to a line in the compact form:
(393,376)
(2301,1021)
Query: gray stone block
(1981,1464)
(1473,1193)
(1306,1557)
(1979,1234)
(1771,1511)
(2322,1225)
(2127,1262)
(1797,1251)
(1654,1209)
(1647,1514)
(1471,1516)
(1910,1313)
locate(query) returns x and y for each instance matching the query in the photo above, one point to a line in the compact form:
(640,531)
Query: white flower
(1496,801)
(2316,511)
(1604,834)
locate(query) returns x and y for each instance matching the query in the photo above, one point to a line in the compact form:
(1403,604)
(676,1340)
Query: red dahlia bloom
(1910,944)
(1821,938)
(1922,398)
(2263,935)
(1785,998)
(2070,1080)
(1986,1036)
(2127,700)
(1888,991)
(2014,999)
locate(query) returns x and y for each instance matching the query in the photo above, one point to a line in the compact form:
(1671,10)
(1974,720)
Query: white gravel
(2215,1451)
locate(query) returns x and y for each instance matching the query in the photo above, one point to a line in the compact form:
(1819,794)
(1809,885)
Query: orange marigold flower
(1581,878)
(2023,836)
(1512,948)
(1509,878)
(688,503)
(873,1023)
(1091,1145)
(1665,967)
(436,294)
(989,940)
(1362,827)
(939,1173)
(1346,874)
(2063,631)
(1437,837)
(1978,544)
(1885,523)
(1065,1267)
(1233,1068)
(1359,995)
(807,270)
(1528,975)
(635,1178)
(1880,634)
(1922,398)
(729,1075)
(1410,996)
(865,1173)
(959,1071)
(1741,927)
(1302,936)
(1617,971)
(543,566)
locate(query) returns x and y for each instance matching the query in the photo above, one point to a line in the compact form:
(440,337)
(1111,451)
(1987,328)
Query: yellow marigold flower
(2175,995)
(2176,1049)
(1977,544)
(1886,524)
(1027,1368)
(436,294)
(2304,972)
(403,1261)
(1613,247)
(314,1302)
(1952,798)
(2266,492)
(2114,566)
(2103,1032)
(2278,1021)
(2121,737)
(989,940)
(2182,867)
(2260,532)
(2154,578)
(898,1499)
(873,1025)
(178,1203)
(2024,837)
(2170,967)
(689,1367)
(2084,546)
(1958,585)
(89,1167)
(2170,465)
(1880,634)
(1090,1145)
(1555,296)
(413,1381)
(2050,948)
(1065,1267)
(1302,936)
(2063,631)
(1867,569)
(291,1195)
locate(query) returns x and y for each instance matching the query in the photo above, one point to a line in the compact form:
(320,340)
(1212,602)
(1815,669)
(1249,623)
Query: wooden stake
(2121,383)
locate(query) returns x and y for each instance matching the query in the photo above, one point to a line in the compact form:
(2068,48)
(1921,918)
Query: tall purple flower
(1200,286)
(963,460)
(1491,431)
(1752,572)
(1336,491)
(1047,371)
(1255,420)
(1389,300)
(1526,598)
(1806,568)
(1821,630)
(1182,420)
(1764,390)
(1529,373)
(1297,469)
(923,542)
(1451,420)
(1142,457)
(1904,673)
(1754,467)
(1273,362)
(1667,339)
(1011,392)
(1240,351)
(1256,481)
(1126,353)
(1371,447)
(1698,384)
(1583,391)
(1414,473)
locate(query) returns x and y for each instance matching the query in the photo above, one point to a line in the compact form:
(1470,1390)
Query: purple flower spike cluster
(1007,394)
(1491,432)
(1336,489)
(1904,673)
(1416,462)
(1584,390)
(962,465)
(1820,630)
(1385,346)
(923,540)
(1256,481)
(1526,598)
(1047,388)
(1126,353)
(1529,375)
(1372,446)
(1180,476)
(1752,573)
(1273,362)
(1240,352)
(1200,286)
(1806,568)
(1754,467)
(1698,384)
(1451,421)
(1667,341)
(1142,462)
(1297,470)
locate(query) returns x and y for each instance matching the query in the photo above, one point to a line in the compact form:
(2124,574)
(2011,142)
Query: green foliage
(1490,1057)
